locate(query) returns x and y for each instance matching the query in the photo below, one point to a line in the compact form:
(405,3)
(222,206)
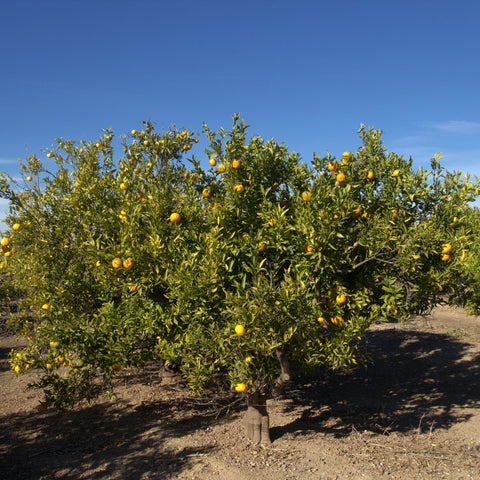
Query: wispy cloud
(454,126)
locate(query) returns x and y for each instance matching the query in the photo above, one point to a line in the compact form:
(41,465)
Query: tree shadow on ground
(101,441)
(415,381)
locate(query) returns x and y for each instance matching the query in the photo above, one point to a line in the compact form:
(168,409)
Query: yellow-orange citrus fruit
(305,196)
(116,262)
(221,167)
(238,188)
(261,247)
(370,174)
(340,177)
(240,330)
(29,178)
(16,226)
(4,242)
(212,162)
(175,217)
(307,248)
(48,366)
(235,164)
(134,132)
(320,319)
(128,263)
(240,387)
(332,166)
(17,369)
(206,192)
(396,173)
(341,298)
(54,344)
(248,359)
(49,155)
(45,306)
(445,257)
(357,212)
(132,288)
(446,248)
(8,253)
(123,186)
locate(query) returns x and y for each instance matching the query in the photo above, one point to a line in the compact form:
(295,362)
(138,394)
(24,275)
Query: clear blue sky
(307,73)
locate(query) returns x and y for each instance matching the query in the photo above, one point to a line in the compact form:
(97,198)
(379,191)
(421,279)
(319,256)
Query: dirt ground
(412,414)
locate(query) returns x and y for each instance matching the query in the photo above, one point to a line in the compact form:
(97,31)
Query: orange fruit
(123,186)
(29,178)
(240,387)
(206,192)
(340,177)
(332,166)
(357,212)
(221,168)
(320,319)
(4,242)
(235,164)
(307,248)
(17,369)
(248,359)
(134,132)
(49,155)
(370,174)
(117,262)
(240,330)
(212,162)
(8,253)
(238,188)
(145,142)
(175,217)
(445,257)
(128,263)
(16,226)
(446,248)
(261,247)
(305,196)
(48,366)
(341,298)
(45,306)
(396,173)
(54,344)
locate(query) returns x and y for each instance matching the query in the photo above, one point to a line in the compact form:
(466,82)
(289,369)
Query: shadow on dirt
(415,381)
(97,442)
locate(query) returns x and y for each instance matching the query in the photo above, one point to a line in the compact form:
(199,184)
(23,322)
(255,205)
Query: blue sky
(307,73)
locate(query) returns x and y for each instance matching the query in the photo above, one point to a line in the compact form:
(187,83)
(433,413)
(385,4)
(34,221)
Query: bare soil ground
(412,414)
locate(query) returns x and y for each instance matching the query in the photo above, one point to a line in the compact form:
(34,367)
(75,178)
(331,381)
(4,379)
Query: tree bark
(256,419)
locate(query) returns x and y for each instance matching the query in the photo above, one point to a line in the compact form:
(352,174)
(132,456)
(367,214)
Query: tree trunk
(256,419)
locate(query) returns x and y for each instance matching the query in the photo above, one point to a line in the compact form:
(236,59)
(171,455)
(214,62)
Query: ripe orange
(117,262)
(123,186)
(261,247)
(332,166)
(145,142)
(212,162)
(446,248)
(134,132)
(346,154)
(305,196)
(248,359)
(340,177)
(240,330)
(16,226)
(445,257)
(136,170)
(175,217)
(235,164)
(4,242)
(128,263)
(17,369)
(238,188)
(357,212)
(307,248)
(54,344)
(29,178)
(49,155)
(45,306)
(8,253)
(132,288)
(206,192)
(48,366)
(370,174)
(341,298)
(320,319)
(221,168)
(396,173)
(240,387)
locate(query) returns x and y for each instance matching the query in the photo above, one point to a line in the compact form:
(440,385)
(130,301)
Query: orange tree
(231,274)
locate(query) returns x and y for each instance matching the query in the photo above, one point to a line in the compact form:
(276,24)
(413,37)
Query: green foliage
(305,258)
